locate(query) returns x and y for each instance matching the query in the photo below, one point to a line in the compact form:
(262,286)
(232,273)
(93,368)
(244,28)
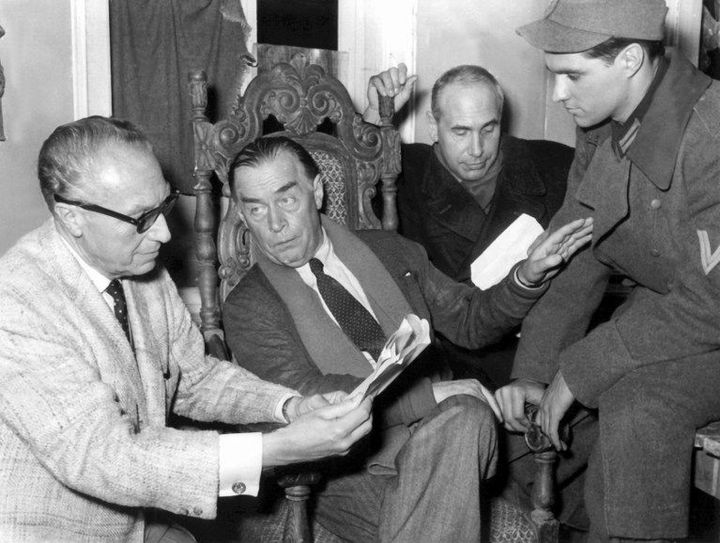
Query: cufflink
(238,487)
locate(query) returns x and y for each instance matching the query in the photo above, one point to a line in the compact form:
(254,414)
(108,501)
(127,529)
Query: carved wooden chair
(314,109)
(300,97)
(354,158)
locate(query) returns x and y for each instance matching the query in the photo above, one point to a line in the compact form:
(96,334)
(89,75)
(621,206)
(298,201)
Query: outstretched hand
(321,429)
(550,251)
(393,82)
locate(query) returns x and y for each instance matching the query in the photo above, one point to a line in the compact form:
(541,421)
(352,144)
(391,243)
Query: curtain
(154,44)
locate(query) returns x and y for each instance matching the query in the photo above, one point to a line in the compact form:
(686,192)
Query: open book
(401,348)
(504,252)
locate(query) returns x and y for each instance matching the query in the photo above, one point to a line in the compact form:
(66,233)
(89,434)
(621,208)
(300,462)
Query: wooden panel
(707,468)
(707,459)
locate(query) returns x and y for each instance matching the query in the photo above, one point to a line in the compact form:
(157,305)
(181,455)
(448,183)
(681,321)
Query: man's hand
(472,387)
(512,399)
(329,429)
(393,82)
(550,251)
(555,403)
(301,405)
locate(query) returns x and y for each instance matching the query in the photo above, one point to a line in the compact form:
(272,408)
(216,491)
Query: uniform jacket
(651,214)
(84,445)
(437,212)
(277,327)
(657,221)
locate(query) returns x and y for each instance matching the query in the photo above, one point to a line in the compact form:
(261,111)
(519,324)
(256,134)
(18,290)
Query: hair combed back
(264,150)
(466,73)
(610,49)
(67,157)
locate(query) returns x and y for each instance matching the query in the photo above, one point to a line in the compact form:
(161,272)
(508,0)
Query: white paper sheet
(508,249)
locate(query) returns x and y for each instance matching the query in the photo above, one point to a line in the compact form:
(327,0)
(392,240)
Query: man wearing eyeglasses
(96,351)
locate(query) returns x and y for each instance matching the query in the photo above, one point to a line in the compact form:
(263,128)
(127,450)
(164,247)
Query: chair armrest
(215,344)
(543,492)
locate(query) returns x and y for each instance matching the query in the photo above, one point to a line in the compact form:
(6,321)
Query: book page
(401,348)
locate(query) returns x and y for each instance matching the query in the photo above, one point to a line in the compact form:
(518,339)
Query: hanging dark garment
(153,46)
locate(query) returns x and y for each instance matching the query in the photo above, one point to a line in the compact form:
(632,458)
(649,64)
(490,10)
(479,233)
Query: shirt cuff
(516,276)
(240,464)
(278,414)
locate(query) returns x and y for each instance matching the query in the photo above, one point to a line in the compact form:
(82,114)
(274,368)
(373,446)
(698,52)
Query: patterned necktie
(115,290)
(356,321)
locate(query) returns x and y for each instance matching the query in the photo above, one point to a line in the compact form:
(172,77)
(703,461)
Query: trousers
(435,494)
(639,474)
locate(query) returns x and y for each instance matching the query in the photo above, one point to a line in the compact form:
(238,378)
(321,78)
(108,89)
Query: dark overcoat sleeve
(466,315)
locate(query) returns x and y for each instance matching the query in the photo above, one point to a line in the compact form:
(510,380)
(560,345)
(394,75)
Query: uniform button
(197,511)
(654,252)
(183,512)
(655,204)
(238,487)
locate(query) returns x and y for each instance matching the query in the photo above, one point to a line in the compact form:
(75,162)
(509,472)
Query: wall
(483,32)
(36,56)
(56,60)
(376,34)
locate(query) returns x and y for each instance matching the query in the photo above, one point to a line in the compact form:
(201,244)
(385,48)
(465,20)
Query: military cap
(573,26)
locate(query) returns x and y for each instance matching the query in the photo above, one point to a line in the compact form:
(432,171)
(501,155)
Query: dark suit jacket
(273,321)
(439,213)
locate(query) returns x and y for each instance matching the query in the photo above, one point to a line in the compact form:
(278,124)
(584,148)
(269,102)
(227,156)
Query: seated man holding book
(314,313)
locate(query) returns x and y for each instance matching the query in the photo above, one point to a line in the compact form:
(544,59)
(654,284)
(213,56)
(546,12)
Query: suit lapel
(116,361)
(150,365)
(655,148)
(327,346)
(605,189)
(449,204)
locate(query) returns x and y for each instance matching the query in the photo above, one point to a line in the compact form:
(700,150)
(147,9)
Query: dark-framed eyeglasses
(143,223)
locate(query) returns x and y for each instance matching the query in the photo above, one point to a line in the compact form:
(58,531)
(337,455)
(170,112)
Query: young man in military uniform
(646,168)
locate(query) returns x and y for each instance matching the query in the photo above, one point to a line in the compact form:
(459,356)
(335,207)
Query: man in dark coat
(646,167)
(409,484)
(456,196)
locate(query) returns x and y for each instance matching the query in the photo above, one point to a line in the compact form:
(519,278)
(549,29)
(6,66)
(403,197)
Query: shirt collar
(98,279)
(655,148)
(483,189)
(323,253)
(623,133)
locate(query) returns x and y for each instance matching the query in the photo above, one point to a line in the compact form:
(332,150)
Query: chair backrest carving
(302,100)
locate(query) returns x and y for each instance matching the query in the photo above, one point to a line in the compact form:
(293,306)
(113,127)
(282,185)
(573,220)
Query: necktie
(356,321)
(115,290)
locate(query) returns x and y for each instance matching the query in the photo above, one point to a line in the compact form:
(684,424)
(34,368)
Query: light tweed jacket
(84,446)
